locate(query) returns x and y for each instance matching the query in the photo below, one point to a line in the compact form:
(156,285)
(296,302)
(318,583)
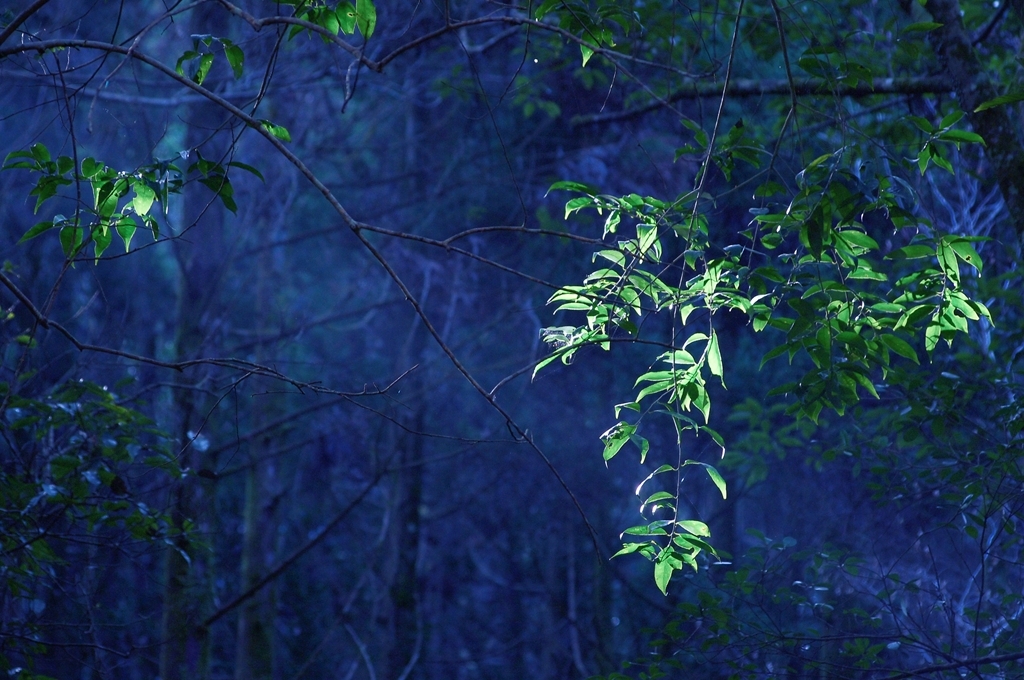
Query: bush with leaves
(76,466)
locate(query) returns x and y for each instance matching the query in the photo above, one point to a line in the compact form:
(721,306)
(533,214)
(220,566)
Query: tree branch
(226,362)
(258,24)
(20,19)
(799,87)
(299,552)
(962,663)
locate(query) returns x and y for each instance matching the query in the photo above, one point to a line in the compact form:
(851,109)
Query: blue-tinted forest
(406,340)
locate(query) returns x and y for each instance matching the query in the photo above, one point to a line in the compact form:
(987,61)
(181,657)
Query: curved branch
(449,27)
(258,24)
(224,362)
(20,19)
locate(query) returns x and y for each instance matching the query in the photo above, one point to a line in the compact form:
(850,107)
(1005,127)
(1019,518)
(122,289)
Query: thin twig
(756,87)
(20,19)
(299,552)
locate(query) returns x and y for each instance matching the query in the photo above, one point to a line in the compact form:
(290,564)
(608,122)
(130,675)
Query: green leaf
(688,541)
(715,358)
(613,444)
(577,204)
(330,21)
(346,17)
(713,473)
(1011,98)
(144,198)
(948,261)
(205,62)
(965,306)
(630,548)
(545,8)
(663,574)
(900,347)
(126,230)
(278,131)
(932,333)
(544,362)
(694,527)
(38,229)
(101,239)
(661,470)
(653,529)
(858,238)
(865,273)
(814,232)
(40,152)
(775,352)
(91,167)
(923,124)
(655,497)
(716,477)
(247,168)
(645,447)
(587,51)
(153,226)
(236,57)
(951,119)
(71,238)
(863,381)
(366,17)
(911,252)
(965,250)
(188,55)
(961,136)
(8,165)
(108,194)
(572,186)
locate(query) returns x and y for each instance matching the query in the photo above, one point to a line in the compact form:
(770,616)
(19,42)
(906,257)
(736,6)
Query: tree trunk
(200,262)
(406,629)
(254,658)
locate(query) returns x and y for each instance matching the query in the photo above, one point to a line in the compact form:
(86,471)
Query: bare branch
(799,87)
(299,552)
(20,19)
(243,365)
(954,665)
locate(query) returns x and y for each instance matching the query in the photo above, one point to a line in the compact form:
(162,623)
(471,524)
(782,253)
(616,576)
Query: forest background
(353,340)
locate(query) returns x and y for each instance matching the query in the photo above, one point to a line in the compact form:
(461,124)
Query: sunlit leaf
(663,574)
(715,358)
(1011,98)
(587,51)
(366,17)
(144,198)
